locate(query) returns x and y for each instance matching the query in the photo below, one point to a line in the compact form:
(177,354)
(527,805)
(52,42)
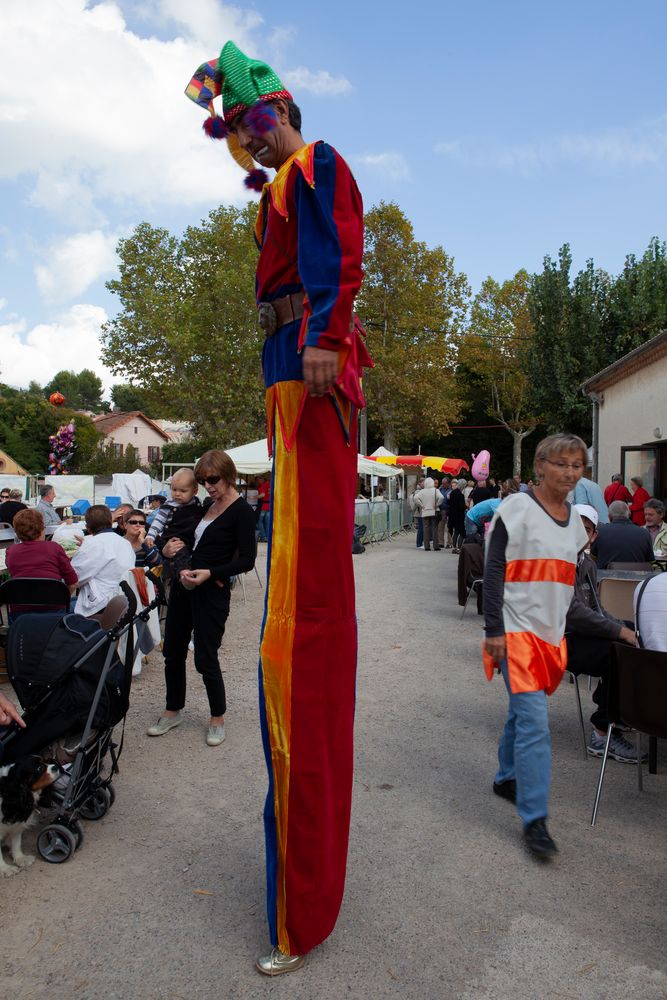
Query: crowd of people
(197,548)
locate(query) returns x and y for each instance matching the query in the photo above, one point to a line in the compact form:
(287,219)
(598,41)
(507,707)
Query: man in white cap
(590,632)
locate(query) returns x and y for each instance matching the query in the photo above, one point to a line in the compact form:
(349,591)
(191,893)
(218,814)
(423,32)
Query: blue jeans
(263,525)
(524,752)
(420,532)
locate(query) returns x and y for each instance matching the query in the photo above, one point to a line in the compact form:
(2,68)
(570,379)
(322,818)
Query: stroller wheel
(56,844)
(96,805)
(112,795)
(77,830)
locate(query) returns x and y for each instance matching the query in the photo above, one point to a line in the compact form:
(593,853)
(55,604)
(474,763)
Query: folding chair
(574,679)
(475,586)
(637,698)
(616,597)
(639,567)
(243,575)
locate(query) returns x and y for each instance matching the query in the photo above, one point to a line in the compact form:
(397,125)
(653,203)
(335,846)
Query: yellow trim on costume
(304,158)
(276,652)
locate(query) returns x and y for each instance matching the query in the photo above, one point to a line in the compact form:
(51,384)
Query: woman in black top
(199,599)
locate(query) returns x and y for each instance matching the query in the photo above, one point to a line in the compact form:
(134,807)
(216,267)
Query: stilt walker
(309,232)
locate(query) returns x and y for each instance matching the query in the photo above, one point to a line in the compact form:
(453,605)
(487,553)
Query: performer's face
(272,148)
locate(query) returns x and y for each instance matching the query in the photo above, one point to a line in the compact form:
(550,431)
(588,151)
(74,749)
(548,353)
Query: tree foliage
(412,304)
(127,398)
(104,461)
(187,331)
(496,346)
(27,420)
(81,392)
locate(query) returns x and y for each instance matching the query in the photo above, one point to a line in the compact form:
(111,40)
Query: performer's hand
(495,647)
(320,370)
(9,711)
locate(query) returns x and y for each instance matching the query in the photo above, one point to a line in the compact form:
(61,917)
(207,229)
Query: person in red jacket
(35,557)
(639,498)
(617,490)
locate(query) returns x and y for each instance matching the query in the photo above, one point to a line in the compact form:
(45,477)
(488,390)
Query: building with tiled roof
(136,429)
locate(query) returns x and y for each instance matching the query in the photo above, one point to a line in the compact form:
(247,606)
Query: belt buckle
(267,318)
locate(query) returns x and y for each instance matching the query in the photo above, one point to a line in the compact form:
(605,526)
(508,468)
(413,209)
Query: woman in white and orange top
(530,569)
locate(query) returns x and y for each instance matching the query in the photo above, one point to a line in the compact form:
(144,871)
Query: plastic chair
(637,698)
(80,507)
(616,597)
(112,502)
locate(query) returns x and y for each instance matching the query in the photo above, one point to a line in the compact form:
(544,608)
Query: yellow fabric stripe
(277,645)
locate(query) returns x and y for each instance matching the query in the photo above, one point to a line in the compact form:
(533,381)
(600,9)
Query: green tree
(128,397)
(496,346)
(413,305)
(637,308)
(27,420)
(82,391)
(187,330)
(104,461)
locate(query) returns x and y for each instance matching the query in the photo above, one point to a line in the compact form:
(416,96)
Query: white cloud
(71,341)
(393,166)
(321,83)
(640,145)
(75,263)
(97,114)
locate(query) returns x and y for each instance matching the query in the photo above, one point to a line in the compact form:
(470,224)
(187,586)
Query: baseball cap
(585,510)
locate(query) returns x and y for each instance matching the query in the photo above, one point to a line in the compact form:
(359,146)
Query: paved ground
(165,898)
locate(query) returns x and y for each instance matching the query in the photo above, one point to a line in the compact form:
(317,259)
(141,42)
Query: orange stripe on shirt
(540,571)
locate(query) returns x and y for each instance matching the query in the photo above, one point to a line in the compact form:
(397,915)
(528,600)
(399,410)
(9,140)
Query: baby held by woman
(177,518)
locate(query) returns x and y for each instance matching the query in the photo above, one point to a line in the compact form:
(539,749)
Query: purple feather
(260,118)
(215,127)
(256,179)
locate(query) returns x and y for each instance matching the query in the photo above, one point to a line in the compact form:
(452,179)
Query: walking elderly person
(533,547)
(427,501)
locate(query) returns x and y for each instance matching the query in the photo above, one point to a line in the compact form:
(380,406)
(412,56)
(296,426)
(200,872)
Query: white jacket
(100,564)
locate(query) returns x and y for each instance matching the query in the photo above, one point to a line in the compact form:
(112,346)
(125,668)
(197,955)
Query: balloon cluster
(61,449)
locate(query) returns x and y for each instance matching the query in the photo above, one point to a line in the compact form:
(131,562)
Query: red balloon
(57,398)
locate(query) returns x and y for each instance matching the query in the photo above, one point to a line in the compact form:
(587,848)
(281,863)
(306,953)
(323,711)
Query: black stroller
(74,689)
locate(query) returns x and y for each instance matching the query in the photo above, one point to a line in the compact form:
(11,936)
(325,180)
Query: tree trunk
(390,440)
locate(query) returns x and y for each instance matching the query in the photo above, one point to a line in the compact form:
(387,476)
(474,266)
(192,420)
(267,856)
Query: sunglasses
(142,523)
(208,480)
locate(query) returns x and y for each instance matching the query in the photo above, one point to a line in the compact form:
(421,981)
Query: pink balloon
(480,466)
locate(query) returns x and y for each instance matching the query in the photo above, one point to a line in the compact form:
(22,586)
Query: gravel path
(165,898)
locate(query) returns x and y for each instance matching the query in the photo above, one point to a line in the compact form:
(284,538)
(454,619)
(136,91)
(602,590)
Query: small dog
(20,785)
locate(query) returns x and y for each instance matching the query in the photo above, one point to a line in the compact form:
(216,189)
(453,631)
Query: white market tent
(253,459)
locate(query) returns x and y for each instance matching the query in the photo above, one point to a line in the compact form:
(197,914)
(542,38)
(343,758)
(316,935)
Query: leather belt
(273,315)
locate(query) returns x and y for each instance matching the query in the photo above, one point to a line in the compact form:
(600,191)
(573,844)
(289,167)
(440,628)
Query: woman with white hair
(427,501)
(532,551)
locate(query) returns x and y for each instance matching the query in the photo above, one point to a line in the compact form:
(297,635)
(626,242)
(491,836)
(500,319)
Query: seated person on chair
(101,562)
(621,540)
(590,633)
(36,557)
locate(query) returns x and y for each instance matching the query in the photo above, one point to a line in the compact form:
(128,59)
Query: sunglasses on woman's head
(208,480)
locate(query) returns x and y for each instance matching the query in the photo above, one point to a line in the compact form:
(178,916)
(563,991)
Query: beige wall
(632,408)
(144,436)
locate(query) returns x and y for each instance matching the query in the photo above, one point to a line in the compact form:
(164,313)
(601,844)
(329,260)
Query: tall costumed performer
(309,231)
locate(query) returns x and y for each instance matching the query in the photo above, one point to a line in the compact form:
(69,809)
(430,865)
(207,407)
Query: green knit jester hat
(247,87)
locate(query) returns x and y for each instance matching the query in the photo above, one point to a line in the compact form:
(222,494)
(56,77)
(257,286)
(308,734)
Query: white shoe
(215,735)
(164,724)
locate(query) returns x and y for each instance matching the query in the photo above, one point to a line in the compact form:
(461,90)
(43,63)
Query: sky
(503,130)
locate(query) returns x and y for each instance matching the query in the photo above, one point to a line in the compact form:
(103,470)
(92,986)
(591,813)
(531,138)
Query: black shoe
(506,789)
(538,839)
